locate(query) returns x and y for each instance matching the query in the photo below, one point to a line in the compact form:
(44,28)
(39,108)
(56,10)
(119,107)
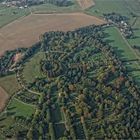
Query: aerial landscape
(69,69)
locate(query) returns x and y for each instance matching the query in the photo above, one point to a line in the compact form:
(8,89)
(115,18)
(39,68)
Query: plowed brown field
(26,31)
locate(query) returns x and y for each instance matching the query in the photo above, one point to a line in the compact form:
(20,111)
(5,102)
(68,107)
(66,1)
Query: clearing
(84,4)
(11,35)
(3,98)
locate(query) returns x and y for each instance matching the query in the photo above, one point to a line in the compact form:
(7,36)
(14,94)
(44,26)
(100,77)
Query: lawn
(9,14)
(50,8)
(32,68)
(9,84)
(17,108)
(122,49)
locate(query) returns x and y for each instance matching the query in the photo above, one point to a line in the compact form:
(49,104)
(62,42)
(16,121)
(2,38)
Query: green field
(19,109)
(8,122)
(119,6)
(9,14)
(50,8)
(124,51)
(136,40)
(9,84)
(32,68)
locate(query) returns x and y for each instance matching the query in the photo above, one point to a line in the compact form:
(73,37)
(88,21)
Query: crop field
(11,36)
(84,4)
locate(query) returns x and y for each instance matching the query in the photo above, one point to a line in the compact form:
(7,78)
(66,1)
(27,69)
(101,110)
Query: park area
(64,78)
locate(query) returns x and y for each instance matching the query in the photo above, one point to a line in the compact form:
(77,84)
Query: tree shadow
(131,60)
(10,108)
(1,119)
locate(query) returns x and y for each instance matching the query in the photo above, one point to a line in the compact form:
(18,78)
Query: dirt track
(3,98)
(84,4)
(26,31)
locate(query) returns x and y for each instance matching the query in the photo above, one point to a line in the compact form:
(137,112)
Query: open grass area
(123,50)
(9,84)
(17,108)
(50,8)
(32,68)
(119,44)
(8,123)
(136,27)
(9,14)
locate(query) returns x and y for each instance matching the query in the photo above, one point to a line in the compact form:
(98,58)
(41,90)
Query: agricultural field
(73,86)
(12,36)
